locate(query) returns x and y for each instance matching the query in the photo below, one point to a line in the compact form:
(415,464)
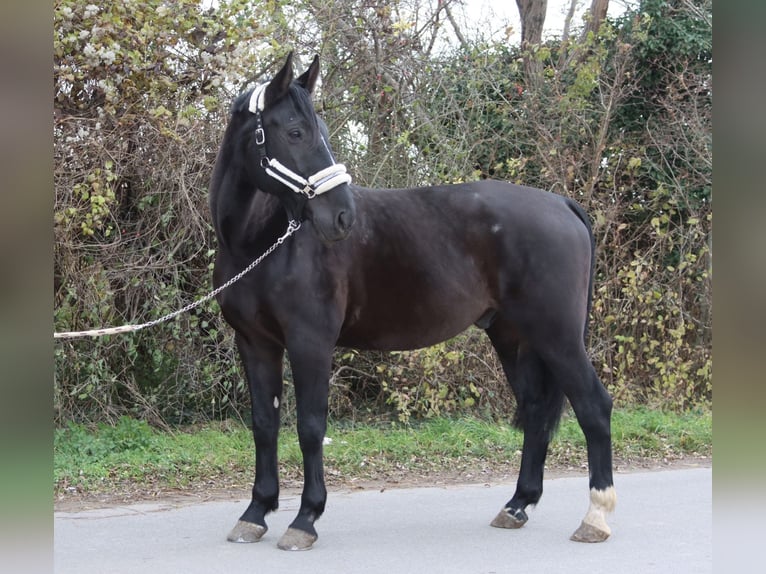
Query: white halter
(322,181)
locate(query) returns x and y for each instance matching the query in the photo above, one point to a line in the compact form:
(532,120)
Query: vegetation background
(616,113)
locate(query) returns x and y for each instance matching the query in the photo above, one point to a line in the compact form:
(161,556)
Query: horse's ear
(278,87)
(309,78)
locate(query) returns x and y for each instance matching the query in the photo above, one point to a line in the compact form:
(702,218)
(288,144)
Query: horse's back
(500,226)
(475,206)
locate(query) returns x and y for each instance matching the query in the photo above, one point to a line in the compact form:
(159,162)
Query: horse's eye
(295,134)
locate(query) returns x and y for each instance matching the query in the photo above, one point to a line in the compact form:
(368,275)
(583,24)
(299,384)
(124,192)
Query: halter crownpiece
(321,182)
(258,98)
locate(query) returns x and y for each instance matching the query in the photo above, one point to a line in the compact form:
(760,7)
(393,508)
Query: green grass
(133,459)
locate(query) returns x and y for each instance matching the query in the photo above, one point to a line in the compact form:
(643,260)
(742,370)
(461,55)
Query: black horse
(392,270)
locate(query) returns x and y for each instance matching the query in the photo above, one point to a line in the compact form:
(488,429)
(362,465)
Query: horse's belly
(402,329)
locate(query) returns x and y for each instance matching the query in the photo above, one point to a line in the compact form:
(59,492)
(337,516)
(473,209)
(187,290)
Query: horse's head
(289,155)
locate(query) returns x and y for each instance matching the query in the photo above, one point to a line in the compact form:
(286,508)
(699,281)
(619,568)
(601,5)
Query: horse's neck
(247,217)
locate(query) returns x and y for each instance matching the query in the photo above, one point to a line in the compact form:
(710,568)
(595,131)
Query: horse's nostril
(344,221)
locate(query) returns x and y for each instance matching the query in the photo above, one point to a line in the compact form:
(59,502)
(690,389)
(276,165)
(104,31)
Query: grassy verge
(131,460)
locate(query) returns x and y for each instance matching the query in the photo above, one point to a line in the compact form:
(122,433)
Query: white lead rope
(291,228)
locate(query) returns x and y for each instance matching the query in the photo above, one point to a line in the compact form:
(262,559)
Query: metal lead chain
(291,228)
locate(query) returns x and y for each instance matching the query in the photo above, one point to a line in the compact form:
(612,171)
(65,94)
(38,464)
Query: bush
(621,122)
(457,376)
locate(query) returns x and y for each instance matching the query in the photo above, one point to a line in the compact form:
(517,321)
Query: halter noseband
(322,181)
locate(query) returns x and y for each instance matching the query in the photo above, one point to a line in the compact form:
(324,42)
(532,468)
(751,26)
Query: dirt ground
(132,493)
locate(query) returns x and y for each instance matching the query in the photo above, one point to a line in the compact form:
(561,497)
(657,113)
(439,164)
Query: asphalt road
(663,523)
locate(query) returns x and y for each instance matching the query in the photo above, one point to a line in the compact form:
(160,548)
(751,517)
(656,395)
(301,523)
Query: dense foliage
(621,121)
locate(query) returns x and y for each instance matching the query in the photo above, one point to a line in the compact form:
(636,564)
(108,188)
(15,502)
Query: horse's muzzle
(340,228)
(333,214)
(344,221)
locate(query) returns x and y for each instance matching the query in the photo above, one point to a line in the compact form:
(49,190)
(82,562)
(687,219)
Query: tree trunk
(568,21)
(565,33)
(532,14)
(597,11)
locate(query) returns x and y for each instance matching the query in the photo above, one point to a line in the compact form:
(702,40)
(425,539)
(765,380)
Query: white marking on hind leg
(602,502)
(276,402)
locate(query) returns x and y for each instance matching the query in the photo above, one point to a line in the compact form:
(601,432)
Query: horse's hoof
(295,539)
(589,533)
(505,519)
(246,532)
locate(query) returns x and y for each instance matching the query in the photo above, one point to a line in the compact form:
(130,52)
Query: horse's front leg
(263,367)
(311,366)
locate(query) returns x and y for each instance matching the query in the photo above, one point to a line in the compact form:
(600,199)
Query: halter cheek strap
(321,182)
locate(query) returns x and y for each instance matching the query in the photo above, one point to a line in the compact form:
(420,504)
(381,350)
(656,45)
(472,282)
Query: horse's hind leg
(592,405)
(263,368)
(538,409)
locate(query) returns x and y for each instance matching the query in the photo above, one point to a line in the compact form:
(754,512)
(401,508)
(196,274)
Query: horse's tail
(582,216)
